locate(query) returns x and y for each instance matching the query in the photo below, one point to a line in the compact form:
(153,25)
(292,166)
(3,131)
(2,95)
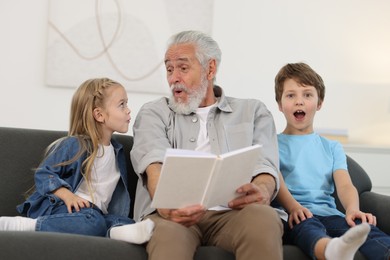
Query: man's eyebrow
(179,59)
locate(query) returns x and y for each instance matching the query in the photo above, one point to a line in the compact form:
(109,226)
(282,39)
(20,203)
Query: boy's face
(299,103)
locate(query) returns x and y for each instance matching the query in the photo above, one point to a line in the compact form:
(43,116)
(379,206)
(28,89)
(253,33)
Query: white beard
(195,97)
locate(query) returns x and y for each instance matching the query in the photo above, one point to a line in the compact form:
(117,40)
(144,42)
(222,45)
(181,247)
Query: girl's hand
(297,215)
(71,200)
(351,216)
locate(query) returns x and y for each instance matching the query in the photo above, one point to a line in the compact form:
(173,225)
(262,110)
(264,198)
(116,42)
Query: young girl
(81,185)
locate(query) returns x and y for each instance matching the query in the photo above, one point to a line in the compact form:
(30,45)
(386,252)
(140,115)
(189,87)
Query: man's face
(186,78)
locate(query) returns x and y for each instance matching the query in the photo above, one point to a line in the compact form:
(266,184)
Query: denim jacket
(49,177)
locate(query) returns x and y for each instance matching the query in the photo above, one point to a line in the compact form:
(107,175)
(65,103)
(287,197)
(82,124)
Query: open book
(192,177)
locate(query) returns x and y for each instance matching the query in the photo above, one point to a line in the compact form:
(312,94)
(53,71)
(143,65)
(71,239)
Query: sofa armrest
(379,205)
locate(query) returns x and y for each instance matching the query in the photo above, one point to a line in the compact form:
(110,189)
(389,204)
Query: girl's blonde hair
(90,95)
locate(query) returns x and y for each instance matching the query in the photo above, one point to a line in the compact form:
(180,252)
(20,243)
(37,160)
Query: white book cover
(191,177)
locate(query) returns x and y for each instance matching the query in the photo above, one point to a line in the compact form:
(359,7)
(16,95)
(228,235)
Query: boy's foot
(345,247)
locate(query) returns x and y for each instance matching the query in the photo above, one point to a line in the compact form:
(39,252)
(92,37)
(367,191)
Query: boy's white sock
(345,247)
(137,233)
(17,224)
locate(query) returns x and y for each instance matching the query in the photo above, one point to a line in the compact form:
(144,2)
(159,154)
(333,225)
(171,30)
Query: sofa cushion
(60,246)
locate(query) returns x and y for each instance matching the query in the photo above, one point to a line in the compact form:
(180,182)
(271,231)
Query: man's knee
(262,218)
(171,230)
(171,240)
(255,211)
(168,231)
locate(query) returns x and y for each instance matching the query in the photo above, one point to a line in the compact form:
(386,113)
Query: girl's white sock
(137,233)
(17,224)
(345,247)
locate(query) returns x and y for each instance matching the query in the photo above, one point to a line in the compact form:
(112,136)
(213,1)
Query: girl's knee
(85,222)
(94,223)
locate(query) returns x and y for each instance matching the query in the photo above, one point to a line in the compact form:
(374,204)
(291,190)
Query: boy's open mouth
(299,114)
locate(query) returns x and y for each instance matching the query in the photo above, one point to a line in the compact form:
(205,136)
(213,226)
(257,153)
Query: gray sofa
(21,150)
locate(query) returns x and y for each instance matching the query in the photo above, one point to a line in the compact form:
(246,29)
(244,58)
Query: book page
(234,170)
(183,179)
(187,177)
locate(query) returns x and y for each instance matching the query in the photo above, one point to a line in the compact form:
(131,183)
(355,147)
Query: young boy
(312,167)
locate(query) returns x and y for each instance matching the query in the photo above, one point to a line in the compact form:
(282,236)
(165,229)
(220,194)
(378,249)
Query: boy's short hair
(301,73)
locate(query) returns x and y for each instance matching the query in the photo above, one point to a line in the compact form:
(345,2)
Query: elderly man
(198,116)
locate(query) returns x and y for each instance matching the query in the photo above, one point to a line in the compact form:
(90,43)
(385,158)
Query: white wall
(347,42)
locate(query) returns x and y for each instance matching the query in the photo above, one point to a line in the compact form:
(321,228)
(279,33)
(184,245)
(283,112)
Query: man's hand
(260,191)
(187,216)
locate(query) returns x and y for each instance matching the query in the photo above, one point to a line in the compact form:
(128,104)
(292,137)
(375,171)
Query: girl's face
(115,115)
(299,103)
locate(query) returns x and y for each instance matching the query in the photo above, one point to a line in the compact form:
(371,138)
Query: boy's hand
(351,216)
(297,215)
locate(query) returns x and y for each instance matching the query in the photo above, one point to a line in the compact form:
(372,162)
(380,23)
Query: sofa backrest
(360,180)
(22,150)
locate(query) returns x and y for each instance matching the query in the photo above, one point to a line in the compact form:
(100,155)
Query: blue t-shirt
(307,163)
